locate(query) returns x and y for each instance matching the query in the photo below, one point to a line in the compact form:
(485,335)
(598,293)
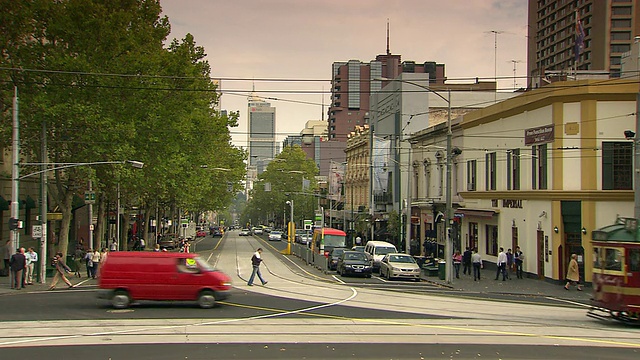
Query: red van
(129,276)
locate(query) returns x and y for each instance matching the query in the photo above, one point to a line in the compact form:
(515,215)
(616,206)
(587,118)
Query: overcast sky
(294,40)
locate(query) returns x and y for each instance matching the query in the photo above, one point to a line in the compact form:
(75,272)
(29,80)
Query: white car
(275,235)
(396,265)
(257,231)
(245,232)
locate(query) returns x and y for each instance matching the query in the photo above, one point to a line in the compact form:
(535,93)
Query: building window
(617,166)
(490,171)
(617,24)
(491,233)
(621,35)
(620,48)
(471,175)
(513,169)
(539,167)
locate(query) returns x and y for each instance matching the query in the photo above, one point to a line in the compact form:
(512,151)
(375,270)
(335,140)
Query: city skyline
(248,42)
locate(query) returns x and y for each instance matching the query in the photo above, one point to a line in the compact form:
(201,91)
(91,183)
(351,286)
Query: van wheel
(120,299)
(206,300)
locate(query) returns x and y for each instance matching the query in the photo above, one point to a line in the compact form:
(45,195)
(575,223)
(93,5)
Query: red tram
(616,272)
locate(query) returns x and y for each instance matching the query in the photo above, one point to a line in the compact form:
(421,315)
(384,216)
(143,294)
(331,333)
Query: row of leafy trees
(101,80)
(290,176)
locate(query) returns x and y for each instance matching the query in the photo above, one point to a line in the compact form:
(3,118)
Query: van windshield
(384,250)
(203,265)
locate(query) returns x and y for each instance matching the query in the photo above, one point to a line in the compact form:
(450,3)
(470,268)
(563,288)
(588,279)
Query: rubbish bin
(442,269)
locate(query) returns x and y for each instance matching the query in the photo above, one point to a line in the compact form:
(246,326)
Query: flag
(579,36)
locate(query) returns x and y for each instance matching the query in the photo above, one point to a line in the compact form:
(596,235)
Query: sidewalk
(5,285)
(515,286)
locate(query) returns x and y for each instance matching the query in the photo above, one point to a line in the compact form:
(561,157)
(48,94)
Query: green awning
(4,204)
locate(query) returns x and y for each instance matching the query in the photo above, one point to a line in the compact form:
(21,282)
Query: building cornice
(551,195)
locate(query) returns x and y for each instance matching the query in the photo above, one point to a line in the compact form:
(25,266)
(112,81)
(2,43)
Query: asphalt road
(304,314)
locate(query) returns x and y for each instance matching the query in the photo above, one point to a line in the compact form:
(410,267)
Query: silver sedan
(396,265)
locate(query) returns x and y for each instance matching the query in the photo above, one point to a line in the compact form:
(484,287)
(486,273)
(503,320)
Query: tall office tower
(354,81)
(262,130)
(579,36)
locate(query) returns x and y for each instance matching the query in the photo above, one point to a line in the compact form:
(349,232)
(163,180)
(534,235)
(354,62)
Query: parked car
(354,263)
(396,265)
(377,250)
(275,235)
(245,232)
(168,241)
(334,255)
(127,277)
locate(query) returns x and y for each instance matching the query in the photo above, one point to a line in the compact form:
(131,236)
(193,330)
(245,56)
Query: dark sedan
(354,263)
(334,255)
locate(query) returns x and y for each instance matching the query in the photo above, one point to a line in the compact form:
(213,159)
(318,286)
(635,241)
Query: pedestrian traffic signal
(15,224)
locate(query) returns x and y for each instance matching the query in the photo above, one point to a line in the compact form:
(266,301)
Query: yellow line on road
(445,327)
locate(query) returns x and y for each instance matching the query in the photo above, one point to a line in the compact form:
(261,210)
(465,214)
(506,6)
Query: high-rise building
(579,36)
(262,130)
(353,82)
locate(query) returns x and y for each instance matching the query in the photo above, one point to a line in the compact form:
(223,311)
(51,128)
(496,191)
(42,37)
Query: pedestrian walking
(17,263)
(519,260)
(114,245)
(509,263)
(502,265)
(60,269)
(466,262)
(32,259)
(256,260)
(476,259)
(573,273)
(95,261)
(87,258)
(457,259)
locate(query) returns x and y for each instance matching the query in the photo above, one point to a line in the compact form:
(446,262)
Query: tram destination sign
(539,135)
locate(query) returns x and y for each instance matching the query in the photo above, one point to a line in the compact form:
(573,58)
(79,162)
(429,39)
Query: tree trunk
(65,225)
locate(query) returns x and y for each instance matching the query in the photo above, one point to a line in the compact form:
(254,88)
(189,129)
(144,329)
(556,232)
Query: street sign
(36,231)
(89,197)
(308,224)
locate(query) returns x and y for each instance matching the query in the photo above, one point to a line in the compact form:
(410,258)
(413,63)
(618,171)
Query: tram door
(573,245)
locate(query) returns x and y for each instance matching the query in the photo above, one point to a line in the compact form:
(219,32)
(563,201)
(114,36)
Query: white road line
(568,302)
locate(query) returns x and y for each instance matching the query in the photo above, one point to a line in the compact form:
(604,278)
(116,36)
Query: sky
(285,48)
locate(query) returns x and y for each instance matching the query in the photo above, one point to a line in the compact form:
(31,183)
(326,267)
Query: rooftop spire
(388,52)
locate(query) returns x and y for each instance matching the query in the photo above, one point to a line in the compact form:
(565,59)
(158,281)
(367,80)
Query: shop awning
(28,203)
(478,213)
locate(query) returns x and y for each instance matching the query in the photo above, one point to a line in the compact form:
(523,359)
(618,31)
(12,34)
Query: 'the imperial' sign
(539,135)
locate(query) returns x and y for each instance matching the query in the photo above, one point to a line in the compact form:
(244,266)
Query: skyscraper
(579,35)
(262,130)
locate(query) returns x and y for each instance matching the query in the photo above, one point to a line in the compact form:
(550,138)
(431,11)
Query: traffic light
(13,223)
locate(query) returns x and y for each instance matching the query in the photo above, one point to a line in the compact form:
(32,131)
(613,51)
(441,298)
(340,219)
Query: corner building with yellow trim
(543,170)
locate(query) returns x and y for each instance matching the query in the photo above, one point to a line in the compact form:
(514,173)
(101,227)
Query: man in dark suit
(17,263)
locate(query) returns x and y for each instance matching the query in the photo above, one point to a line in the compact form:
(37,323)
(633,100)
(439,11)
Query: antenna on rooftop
(388,52)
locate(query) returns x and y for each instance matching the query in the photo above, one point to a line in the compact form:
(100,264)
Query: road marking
(568,302)
(337,279)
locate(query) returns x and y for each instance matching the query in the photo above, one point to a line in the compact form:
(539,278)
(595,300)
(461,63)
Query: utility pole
(448,250)
(43,206)
(15,205)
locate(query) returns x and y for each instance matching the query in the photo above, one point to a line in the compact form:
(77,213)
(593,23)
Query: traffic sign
(36,231)
(89,197)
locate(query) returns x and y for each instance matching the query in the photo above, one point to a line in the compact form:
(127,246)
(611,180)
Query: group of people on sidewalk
(473,260)
(21,265)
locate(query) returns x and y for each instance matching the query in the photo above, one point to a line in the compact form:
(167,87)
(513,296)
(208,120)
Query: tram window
(597,259)
(634,259)
(613,260)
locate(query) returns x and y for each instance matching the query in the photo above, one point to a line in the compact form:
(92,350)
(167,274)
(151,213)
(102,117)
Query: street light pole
(15,209)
